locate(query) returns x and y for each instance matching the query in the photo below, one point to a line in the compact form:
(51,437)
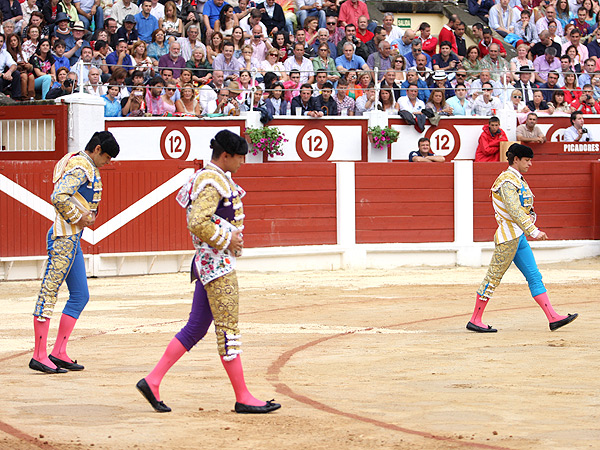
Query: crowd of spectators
(315,58)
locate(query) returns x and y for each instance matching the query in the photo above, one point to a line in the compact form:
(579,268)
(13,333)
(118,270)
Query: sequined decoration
(223,298)
(60,260)
(503,256)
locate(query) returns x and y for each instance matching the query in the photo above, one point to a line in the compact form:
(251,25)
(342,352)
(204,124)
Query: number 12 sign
(175,143)
(442,142)
(314,144)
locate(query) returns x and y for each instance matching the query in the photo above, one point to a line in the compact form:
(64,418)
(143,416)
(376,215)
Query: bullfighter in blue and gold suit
(513,204)
(215,217)
(77,193)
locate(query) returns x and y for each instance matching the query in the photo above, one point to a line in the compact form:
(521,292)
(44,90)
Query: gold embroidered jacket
(513,205)
(77,189)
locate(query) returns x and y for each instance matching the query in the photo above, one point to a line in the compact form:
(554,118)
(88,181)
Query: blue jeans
(304,13)
(98,19)
(44,82)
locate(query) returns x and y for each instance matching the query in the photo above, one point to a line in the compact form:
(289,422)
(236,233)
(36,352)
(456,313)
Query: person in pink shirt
(351,10)
(292,86)
(154,102)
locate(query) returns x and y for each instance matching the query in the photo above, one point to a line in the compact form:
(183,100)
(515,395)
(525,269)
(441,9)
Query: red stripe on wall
(404,202)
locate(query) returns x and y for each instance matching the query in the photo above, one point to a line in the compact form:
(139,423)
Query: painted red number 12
(317,141)
(176,144)
(445,141)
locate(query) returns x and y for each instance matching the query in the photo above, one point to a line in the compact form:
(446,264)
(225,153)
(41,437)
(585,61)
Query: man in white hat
(75,41)
(439,80)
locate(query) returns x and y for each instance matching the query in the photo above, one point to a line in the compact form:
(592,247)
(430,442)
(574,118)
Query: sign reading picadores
(576,147)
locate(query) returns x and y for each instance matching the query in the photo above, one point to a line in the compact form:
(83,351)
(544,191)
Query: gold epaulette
(507,176)
(71,162)
(213,178)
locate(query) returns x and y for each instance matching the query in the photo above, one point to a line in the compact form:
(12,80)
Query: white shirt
(571,135)
(119,11)
(6,60)
(76,69)
(276,68)
(205,95)
(248,29)
(301,3)
(395,33)
(406,105)
(211,108)
(98,92)
(542,25)
(306,68)
(158,11)
(481,108)
(186,47)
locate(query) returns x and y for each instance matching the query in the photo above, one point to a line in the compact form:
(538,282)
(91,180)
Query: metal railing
(25,135)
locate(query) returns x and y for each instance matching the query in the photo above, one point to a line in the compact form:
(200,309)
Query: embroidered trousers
(519,251)
(65,263)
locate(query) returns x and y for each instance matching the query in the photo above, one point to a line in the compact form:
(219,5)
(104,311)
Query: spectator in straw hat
(439,80)
(75,41)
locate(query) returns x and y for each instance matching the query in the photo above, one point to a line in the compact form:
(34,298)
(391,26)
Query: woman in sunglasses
(516,100)
(167,97)
(272,64)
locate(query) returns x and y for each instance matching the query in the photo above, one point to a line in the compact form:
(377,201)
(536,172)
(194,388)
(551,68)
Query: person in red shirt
(489,141)
(429,42)
(351,10)
(447,32)
(586,103)
(361,30)
(488,40)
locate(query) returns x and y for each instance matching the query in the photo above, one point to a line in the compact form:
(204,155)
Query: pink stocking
(41,341)
(174,351)
(544,303)
(480,305)
(236,376)
(67,323)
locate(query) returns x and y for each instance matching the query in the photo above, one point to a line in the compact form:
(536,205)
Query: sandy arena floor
(359,360)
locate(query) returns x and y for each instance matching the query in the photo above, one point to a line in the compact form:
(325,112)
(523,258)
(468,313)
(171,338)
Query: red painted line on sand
(273,375)
(275,369)
(25,437)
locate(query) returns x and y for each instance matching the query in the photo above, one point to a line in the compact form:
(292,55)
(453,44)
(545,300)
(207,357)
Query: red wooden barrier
(159,228)
(566,151)
(289,204)
(404,202)
(564,199)
(22,230)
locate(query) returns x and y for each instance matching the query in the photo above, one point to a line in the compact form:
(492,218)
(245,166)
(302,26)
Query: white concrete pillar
(353,256)
(508,122)
(467,253)
(377,118)
(86,116)
(253,121)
